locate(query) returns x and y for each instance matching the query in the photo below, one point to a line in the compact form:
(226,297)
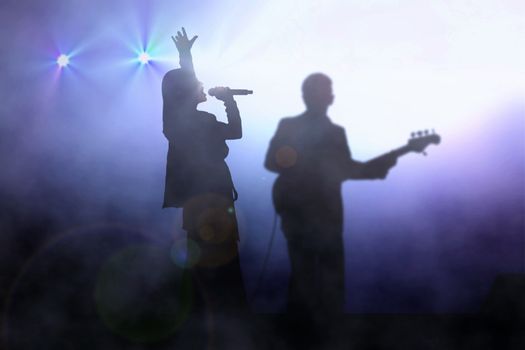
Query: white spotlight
(144,58)
(62,60)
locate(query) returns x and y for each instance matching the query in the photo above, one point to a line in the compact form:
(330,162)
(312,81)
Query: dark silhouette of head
(317,92)
(181,88)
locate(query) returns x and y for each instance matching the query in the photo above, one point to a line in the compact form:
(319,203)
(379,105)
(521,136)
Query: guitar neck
(398,152)
(415,144)
(401,151)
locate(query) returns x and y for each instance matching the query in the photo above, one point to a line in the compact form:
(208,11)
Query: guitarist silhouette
(312,157)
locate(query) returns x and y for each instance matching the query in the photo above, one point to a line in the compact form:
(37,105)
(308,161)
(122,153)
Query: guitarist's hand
(382,173)
(390,162)
(378,168)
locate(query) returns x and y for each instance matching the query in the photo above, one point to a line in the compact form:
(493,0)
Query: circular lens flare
(62,60)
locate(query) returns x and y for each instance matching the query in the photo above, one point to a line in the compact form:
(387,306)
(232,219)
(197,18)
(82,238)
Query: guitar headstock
(421,139)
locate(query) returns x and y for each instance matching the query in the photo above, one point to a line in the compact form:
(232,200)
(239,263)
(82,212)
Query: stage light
(144,58)
(63,60)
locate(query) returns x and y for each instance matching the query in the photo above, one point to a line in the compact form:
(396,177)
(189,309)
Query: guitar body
(279,195)
(290,195)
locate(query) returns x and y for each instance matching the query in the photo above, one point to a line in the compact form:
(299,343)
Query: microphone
(226,90)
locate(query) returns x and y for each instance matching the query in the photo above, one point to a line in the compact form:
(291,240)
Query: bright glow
(144,58)
(63,60)
(385,74)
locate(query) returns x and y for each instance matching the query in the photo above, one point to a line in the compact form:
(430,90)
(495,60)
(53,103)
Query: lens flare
(185,253)
(144,58)
(141,295)
(63,60)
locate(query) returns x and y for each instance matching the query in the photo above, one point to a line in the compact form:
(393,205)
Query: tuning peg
(412,134)
(433,132)
(426,132)
(419,133)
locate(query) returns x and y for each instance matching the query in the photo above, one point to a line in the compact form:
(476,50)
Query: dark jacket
(195,161)
(312,157)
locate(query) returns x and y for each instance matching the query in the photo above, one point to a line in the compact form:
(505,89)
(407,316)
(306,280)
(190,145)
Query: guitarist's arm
(379,167)
(376,168)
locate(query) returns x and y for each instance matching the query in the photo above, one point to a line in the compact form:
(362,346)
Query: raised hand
(182,42)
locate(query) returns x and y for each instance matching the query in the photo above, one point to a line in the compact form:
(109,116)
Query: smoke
(83,145)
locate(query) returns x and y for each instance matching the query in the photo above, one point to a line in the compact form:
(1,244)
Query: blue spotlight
(144,58)
(63,60)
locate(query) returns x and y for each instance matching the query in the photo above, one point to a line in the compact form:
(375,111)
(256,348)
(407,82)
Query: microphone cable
(265,261)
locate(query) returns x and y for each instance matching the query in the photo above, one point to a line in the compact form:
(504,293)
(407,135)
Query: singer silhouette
(198,180)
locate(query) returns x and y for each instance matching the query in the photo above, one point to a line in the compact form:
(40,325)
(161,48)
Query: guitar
(418,142)
(285,193)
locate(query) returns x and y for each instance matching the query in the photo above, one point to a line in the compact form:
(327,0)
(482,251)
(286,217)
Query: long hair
(178,87)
